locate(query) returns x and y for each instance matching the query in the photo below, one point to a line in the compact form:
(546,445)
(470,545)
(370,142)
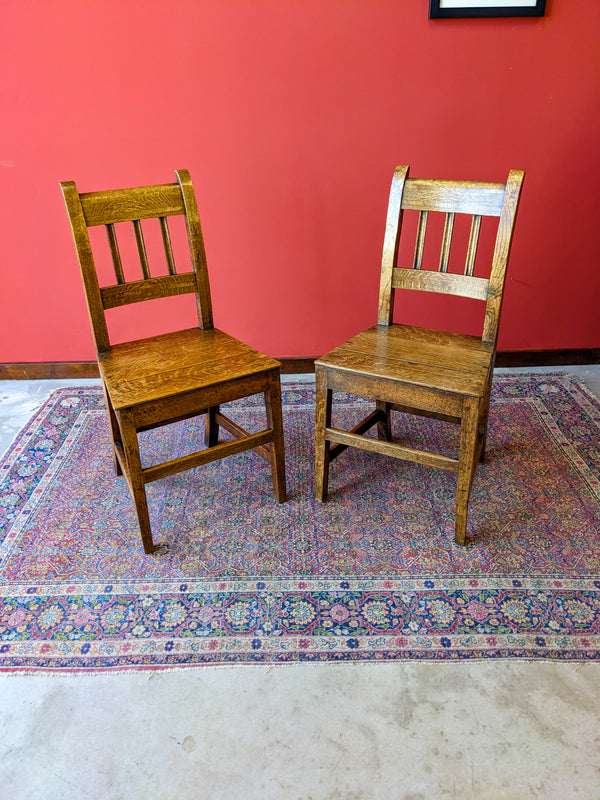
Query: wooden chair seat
(158,380)
(443,361)
(165,366)
(422,371)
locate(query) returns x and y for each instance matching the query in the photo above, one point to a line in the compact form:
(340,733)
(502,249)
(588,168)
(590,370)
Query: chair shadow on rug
(420,371)
(152,382)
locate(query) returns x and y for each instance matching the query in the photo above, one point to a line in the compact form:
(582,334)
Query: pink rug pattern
(371,575)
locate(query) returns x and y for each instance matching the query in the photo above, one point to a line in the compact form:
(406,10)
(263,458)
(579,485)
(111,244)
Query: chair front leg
(466,467)
(276,447)
(323,402)
(135,478)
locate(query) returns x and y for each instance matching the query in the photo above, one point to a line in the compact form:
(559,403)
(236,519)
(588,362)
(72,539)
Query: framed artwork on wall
(453,9)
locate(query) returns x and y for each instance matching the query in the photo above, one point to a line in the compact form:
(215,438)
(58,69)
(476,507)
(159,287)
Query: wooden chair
(418,370)
(154,381)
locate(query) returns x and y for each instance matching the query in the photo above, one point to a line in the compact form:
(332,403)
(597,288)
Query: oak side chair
(152,382)
(416,370)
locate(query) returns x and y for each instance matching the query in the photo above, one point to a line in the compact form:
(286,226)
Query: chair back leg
(483,425)
(384,423)
(276,449)
(211,431)
(322,447)
(115,434)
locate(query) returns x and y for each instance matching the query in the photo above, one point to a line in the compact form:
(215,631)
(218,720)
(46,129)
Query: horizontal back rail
(148,289)
(442,282)
(125,205)
(462,197)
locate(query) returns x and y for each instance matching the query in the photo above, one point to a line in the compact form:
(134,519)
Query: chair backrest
(134,205)
(450,198)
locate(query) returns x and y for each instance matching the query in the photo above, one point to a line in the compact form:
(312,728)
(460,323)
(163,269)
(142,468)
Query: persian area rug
(373,574)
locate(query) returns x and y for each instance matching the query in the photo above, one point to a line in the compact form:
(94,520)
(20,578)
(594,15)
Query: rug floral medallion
(371,575)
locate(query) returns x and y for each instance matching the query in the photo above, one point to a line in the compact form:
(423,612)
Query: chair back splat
(154,381)
(422,371)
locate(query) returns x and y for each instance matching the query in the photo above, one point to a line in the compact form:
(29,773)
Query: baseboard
(547,358)
(46,370)
(66,370)
(297,366)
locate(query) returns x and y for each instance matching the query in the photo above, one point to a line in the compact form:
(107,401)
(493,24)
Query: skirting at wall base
(66,370)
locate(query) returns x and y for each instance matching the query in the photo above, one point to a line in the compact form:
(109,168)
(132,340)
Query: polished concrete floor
(488,730)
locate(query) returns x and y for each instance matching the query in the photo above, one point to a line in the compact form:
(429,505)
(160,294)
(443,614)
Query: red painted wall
(291,117)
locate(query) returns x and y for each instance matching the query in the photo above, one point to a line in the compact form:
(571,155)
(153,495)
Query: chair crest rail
(124,205)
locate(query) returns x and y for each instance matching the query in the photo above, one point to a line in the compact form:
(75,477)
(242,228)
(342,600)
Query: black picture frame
(469,8)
